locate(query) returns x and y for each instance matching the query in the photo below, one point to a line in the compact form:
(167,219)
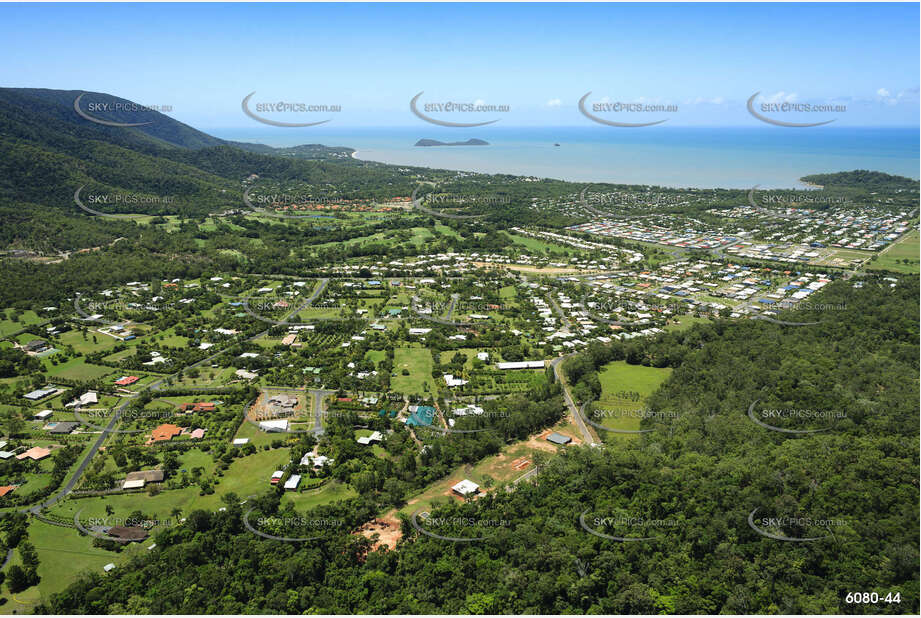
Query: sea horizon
(678,156)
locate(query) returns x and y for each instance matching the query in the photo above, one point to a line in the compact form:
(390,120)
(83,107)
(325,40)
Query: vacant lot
(418,363)
(894,259)
(27,318)
(625,388)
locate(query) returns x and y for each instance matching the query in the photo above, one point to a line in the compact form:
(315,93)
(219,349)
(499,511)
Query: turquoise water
(772,157)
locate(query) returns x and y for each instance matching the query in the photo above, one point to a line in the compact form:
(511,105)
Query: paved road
(153,386)
(567,325)
(453,304)
(557,370)
(318,396)
(412,306)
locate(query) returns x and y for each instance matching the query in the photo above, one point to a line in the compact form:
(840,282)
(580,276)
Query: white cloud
(479,102)
(702,100)
(554,103)
(883,93)
(781,97)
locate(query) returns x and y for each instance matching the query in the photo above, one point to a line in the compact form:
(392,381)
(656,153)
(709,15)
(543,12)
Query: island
(435,142)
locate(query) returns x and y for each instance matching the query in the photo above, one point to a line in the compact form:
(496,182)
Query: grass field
(498,467)
(77,369)
(27,318)
(86,346)
(418,361)
(63,556)
(905,249)
(540,246)
(685,322)
(625,388)
(470,353)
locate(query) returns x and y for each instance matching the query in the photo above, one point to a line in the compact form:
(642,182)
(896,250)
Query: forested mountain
(863,179)
(49,151)
(701,476)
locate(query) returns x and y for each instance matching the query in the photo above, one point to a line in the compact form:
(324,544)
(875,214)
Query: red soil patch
(387,530)
(521,463)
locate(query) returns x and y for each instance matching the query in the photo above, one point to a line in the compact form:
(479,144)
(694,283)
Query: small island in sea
(435,142)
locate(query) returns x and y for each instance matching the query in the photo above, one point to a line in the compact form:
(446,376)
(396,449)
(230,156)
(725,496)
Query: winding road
(587,436)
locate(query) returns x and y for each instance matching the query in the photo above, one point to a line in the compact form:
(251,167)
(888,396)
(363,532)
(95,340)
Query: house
(35,346)
(282,402)
(420,415)
(246,375)
(85,399)
(108,567)
(483,356)
(136,484)
(148,476)
(558,438)
(61,428)
(293,481)
(128,534)
(40,393)
(451,381)
(35,453)
(521,365)
(466,488)
(289,339)
(6,454)
(43,415)
(374,437)
(317,461)
(197,434)
(276,476)
(6,489)
(240,441)
(126,380)
(197,407)
(274,425)
(165,432)
(471,409)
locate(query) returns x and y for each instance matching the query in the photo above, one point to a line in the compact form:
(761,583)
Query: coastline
(680,158)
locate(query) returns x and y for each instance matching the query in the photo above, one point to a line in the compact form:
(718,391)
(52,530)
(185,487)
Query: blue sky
(538,59)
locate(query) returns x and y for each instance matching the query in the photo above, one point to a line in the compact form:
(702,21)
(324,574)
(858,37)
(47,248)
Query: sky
(704,60)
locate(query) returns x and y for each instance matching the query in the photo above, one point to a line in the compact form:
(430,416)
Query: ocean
(772,157)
